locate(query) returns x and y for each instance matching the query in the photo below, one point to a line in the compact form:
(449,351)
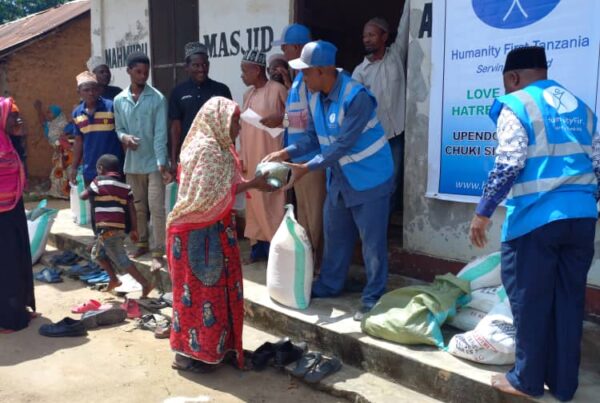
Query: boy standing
(141,121)
(112,201)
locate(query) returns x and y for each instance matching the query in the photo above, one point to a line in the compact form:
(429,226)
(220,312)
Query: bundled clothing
(62,155)
(202,248)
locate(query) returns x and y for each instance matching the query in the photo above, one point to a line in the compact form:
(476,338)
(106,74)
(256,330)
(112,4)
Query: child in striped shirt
(113,201)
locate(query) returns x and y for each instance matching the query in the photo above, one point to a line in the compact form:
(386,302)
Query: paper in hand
(254,119)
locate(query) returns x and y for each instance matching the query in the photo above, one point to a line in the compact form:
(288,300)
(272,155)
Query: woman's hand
(260,183)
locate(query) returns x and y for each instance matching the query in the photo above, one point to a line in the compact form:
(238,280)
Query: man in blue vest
(351,146)
(310,192)
(548,158)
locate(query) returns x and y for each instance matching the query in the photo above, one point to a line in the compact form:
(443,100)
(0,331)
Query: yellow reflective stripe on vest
(548,184)
(542,148)
(367,152)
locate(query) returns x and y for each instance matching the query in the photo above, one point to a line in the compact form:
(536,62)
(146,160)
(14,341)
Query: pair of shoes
(64,259)
(84,307)
(49,275)
(361,312)
(289,353)
(132,308)
(103,317)
(77,270)
(282,353)
(67,327)
(103,277)
(90,274)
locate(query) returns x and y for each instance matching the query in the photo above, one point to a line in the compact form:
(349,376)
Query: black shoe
(289,353)
(360,313)
(65,328)
(265,353)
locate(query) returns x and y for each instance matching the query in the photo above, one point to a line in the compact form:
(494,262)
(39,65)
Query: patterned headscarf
(208,167)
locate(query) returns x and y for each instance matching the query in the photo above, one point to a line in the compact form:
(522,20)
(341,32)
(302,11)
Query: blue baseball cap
(293,34)
(315,54)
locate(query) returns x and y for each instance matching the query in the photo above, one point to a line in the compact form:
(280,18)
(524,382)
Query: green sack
(415,314)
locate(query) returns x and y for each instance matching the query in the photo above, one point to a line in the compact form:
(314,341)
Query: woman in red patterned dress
(204,259)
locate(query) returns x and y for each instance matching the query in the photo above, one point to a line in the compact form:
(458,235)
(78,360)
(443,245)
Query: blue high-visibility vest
(369,162)
(296,116)
(558,180)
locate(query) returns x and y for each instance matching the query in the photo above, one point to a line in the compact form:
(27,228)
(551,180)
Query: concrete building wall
(229,27)
(46,70)
(119,28)
(435,227)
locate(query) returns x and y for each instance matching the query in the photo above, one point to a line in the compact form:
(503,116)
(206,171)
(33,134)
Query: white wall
(229,26)
(118,28)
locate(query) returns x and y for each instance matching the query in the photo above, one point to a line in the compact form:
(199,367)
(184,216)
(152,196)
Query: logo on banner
(560,99)
(510,14)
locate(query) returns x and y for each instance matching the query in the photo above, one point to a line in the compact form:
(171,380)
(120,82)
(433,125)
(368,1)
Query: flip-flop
(306,363)
(102,278)
(65,259)
(91,305)
(323,369)
(48,275)
(132,308)
(152,304)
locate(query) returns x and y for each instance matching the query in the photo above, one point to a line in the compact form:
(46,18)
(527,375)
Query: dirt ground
(118,364)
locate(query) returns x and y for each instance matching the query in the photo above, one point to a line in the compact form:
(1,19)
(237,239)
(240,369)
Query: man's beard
(369,51)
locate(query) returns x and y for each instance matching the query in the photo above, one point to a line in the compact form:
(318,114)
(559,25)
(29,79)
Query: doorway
(341,22)
(172,24)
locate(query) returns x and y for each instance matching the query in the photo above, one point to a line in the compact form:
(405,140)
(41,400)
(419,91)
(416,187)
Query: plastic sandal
(132,308)
(91,305)
(48,275)
(306,363)
(323,369)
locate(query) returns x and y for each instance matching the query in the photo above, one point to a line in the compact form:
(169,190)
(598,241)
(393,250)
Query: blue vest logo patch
(332,118)
(510,14)
(560,99)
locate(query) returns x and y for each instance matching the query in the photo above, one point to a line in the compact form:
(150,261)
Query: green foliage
(13,9)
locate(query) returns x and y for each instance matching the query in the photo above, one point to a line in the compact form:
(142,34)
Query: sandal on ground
(194,366)
(306,363)
(323,369)
(48,275)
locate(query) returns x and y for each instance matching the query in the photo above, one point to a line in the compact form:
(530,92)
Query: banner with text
(470,41)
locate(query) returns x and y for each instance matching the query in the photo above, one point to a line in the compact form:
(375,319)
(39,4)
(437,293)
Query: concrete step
(327,326)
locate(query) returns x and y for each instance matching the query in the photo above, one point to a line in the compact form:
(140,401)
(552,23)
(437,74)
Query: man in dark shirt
(188,97)
(97,66)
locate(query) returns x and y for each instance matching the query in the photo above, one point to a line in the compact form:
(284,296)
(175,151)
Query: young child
(113,199)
